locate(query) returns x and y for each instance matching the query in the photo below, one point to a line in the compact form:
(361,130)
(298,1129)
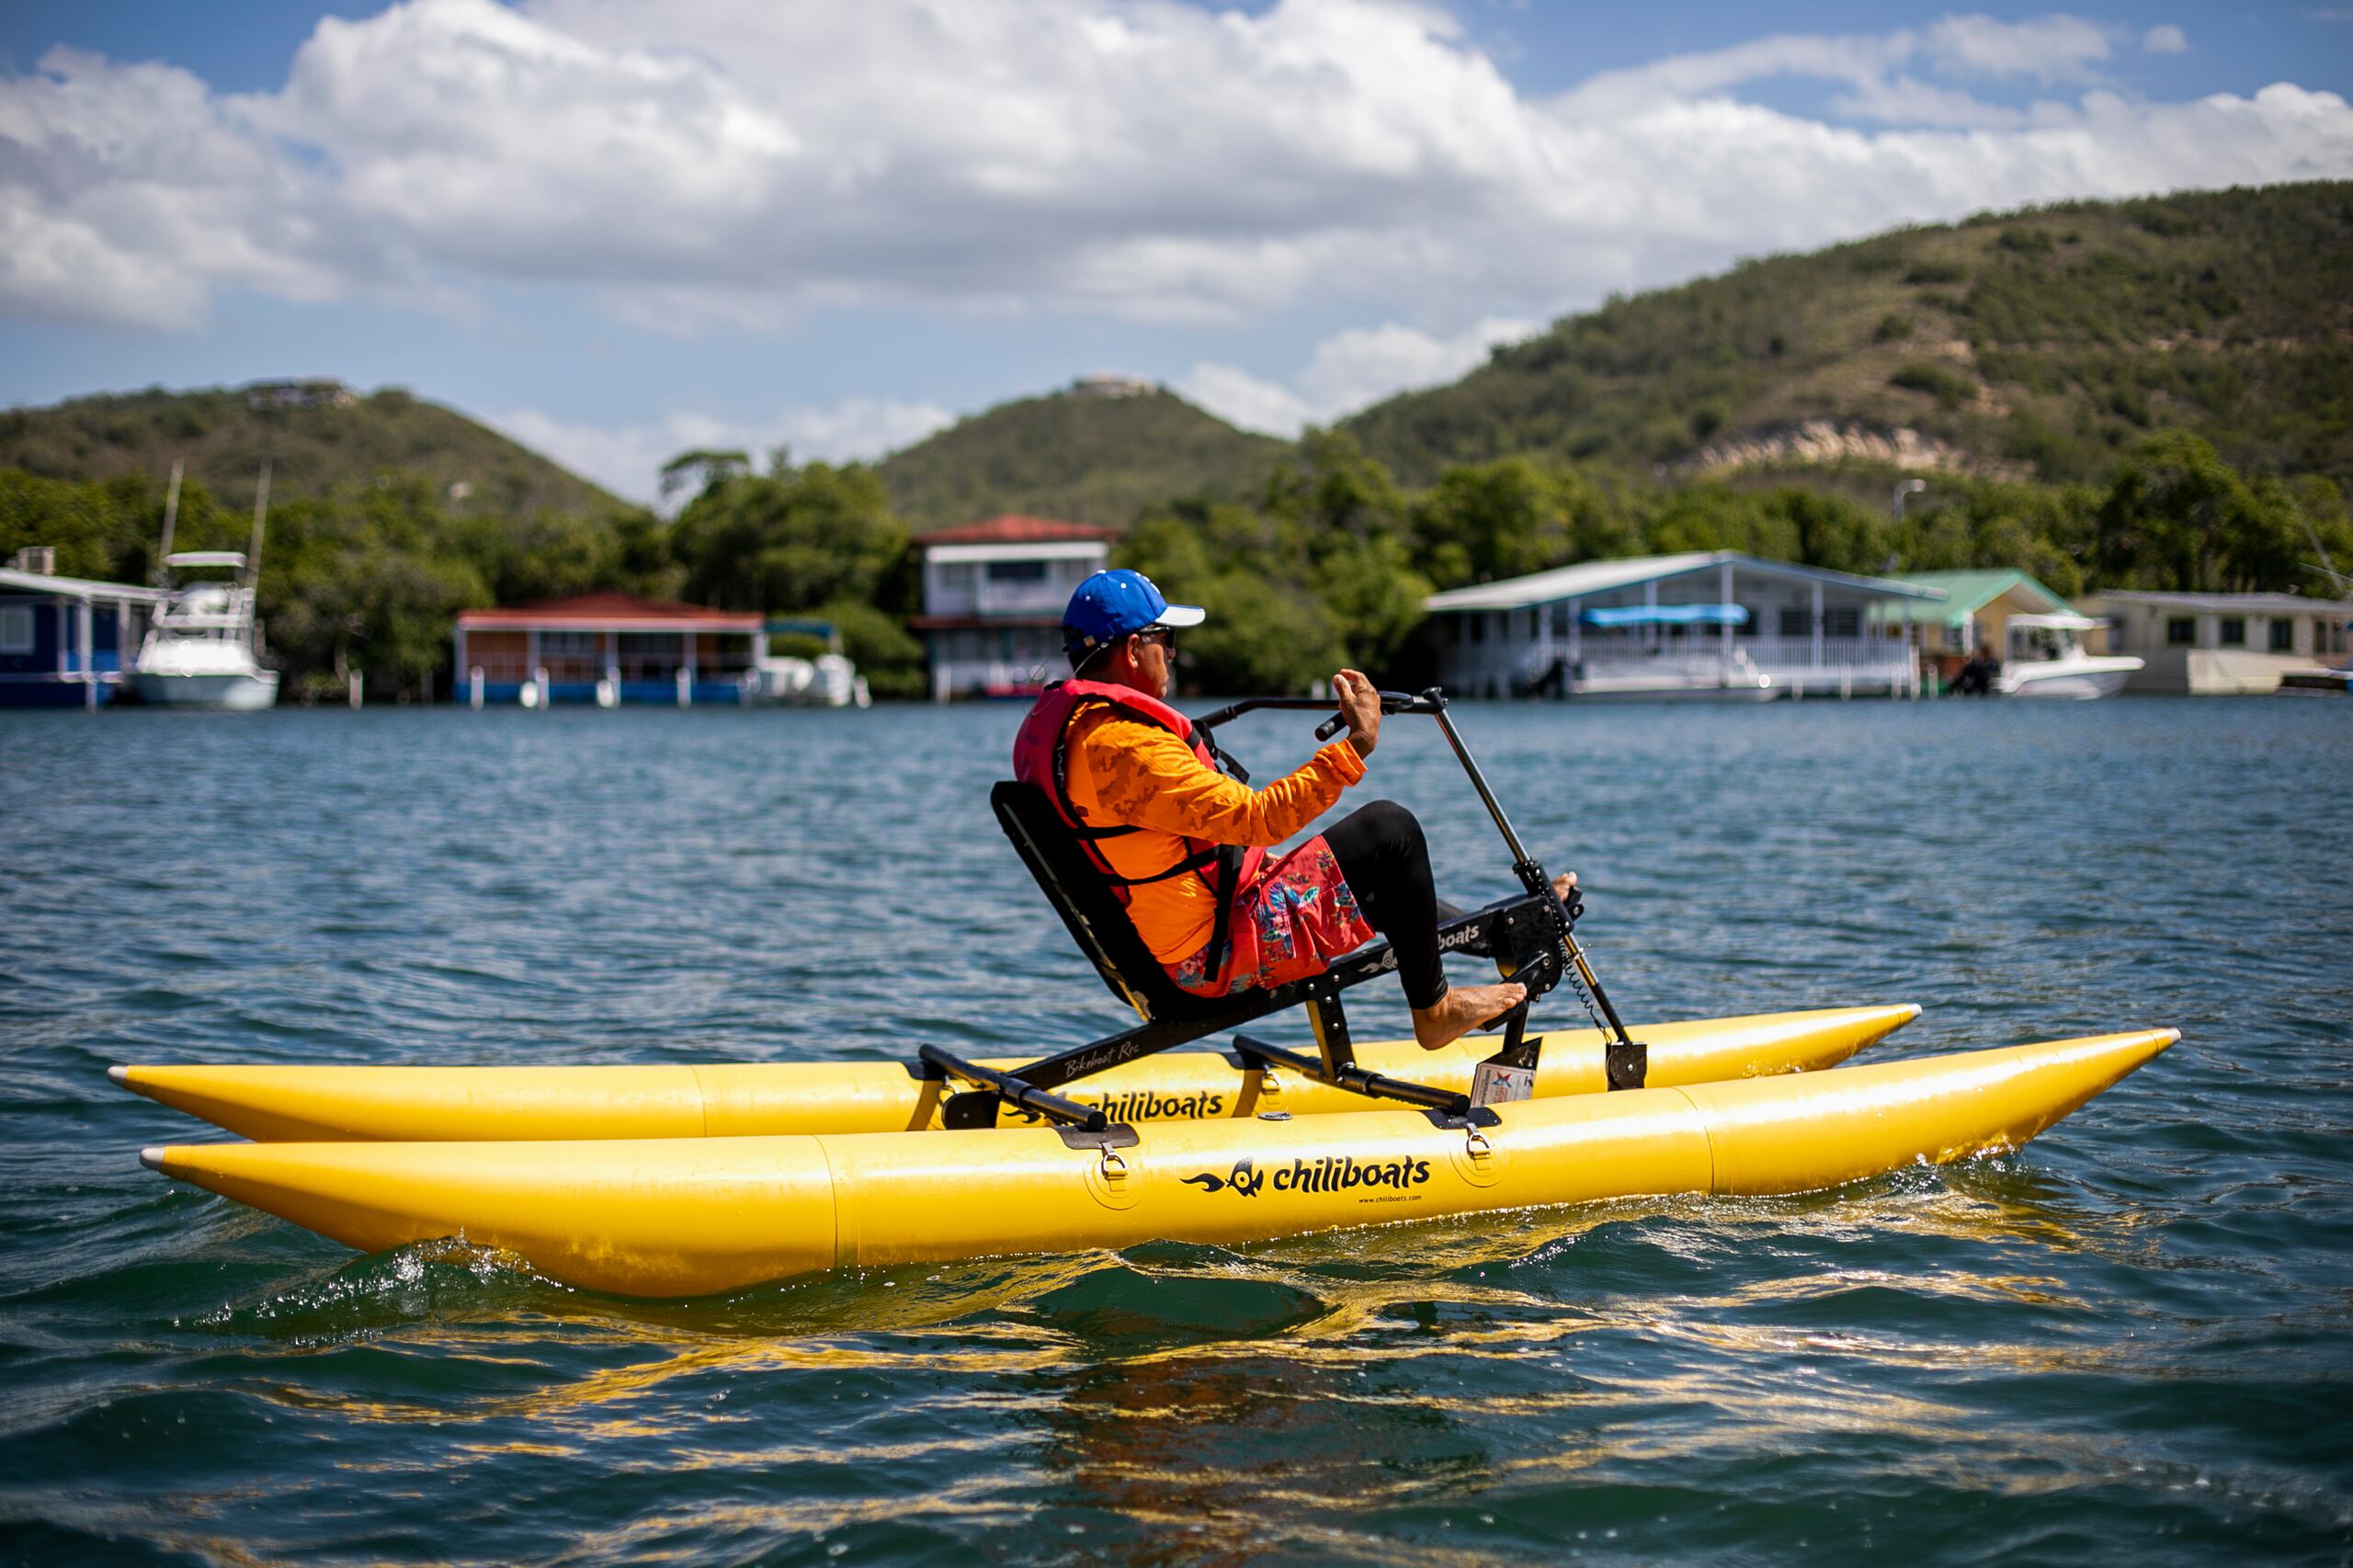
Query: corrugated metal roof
(75,588)
(1966,593)
(1601,576)
(2276,604)
(1014,528)
(623,612)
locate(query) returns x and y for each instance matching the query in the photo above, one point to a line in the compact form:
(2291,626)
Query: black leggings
(1382,853)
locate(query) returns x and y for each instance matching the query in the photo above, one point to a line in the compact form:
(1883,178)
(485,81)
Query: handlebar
(1430,701)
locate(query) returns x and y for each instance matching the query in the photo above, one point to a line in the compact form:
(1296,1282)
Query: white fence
(1799,664)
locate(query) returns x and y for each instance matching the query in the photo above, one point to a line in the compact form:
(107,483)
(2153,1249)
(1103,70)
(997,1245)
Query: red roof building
(1014,528)
(606,648)
(992,598)
(632,612)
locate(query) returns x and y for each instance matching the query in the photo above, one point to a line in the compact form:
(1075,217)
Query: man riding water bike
(1184,845)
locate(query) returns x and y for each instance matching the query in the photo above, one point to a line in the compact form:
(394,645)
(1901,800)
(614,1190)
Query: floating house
(1709,625)
(67,641)
(2221,644)
(606,649)
(993,599)
(1973,614)
(2034,635)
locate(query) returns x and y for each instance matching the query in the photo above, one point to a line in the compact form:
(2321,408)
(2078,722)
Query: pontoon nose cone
(118,1075)
(151,1156)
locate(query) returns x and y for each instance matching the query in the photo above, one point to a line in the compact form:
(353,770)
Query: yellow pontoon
(298,1104)
(685,1216)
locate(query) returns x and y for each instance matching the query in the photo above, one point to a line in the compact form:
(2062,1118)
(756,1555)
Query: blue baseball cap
(1116,604)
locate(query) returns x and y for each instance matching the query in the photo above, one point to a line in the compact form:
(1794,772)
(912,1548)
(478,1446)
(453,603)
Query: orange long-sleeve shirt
(1122,772)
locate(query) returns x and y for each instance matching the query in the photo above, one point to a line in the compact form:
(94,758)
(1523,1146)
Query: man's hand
(1360,706)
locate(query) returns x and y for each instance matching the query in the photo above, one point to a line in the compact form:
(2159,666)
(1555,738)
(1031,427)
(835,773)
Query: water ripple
(2128,1342)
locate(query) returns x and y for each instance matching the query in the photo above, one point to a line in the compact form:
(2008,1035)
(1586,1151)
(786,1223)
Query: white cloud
(2164,39)
(1346,372)
(627,459)
(736,165)
(1252,401)
(2049,49)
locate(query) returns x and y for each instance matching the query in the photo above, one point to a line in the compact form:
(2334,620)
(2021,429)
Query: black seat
(1098,922)
(1524,928)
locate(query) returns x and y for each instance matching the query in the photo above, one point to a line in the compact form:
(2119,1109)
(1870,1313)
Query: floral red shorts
(1291,922)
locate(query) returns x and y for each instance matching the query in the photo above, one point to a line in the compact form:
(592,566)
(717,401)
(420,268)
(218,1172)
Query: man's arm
(1144,777)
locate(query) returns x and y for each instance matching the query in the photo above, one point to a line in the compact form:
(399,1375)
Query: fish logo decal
(1327,1173)
(1242,1178)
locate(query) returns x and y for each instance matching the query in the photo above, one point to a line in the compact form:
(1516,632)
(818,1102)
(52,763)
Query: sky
(617,231)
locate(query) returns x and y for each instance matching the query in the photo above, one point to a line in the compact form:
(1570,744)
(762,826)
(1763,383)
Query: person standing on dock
(1184,845)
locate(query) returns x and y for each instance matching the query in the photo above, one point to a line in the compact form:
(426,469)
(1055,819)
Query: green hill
(2039,344)
(319,437)
(1086,458)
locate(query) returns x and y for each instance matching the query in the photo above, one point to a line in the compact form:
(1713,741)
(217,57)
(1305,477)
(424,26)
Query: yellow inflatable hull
(500,1104)
(685,1216)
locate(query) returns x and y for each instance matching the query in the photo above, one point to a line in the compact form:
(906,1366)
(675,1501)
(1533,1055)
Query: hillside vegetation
(1092,459)
(333,441)
(2152,394)
(2043,344)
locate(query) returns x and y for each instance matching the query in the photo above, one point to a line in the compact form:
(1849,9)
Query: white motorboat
(2045,659)
(203,648)
(829,680)
(2336,681)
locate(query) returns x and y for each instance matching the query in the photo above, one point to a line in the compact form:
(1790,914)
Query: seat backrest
(1097,921)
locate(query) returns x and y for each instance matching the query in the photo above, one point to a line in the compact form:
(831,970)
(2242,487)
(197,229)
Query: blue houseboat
(64,640)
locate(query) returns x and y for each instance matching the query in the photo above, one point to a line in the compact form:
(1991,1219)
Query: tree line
(1328,565)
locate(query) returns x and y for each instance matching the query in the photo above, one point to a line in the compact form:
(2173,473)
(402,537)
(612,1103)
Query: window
(1796,621)
(16,629)
(1842,621)
(955,576)
(557,644)
(2181,631)
(1017,570)
(2233,632)
(1478,619)
(2283,635)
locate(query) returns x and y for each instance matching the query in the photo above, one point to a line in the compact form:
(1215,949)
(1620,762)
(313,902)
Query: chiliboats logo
(1331,1173)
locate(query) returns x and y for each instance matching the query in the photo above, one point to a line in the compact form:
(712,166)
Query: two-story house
(992,598)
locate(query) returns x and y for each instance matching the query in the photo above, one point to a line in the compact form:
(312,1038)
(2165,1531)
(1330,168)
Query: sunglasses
(1164,635)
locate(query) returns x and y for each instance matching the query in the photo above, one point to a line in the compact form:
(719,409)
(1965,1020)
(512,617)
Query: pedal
(1494,1082)
(1510,1074)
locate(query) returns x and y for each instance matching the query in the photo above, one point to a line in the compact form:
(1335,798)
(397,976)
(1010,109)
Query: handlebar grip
(1390,702)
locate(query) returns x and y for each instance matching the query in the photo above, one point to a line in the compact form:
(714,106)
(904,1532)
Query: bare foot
(1462,1009)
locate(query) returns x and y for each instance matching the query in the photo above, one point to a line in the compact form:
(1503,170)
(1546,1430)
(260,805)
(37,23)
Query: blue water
(2131,1342)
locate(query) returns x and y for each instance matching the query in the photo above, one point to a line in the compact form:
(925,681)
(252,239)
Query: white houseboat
(2222,644)
(1707,625)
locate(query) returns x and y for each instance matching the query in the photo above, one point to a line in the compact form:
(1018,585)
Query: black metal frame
(1530,939)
